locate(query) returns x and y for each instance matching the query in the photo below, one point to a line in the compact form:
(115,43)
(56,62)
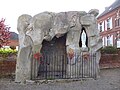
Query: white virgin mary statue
(83,38)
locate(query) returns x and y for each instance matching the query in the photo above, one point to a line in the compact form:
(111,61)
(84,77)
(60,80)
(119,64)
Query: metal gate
(57,66)
(53,66)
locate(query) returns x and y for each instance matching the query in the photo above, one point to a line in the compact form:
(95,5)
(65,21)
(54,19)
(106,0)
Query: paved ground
(109,80)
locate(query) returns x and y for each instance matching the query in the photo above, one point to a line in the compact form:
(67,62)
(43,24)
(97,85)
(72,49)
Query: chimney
(106,8)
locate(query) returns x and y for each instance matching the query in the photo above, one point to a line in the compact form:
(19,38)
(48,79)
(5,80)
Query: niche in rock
(83,42)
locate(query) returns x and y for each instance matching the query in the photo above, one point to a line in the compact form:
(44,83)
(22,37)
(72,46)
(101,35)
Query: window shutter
(105,41)
(103,26)
(111,40)
(111,23)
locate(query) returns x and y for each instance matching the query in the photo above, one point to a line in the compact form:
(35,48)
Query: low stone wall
(7,66)
(110,60)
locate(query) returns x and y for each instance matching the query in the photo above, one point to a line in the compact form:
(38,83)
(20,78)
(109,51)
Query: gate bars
(57,65)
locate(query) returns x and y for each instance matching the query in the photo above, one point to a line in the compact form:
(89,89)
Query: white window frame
(111,23)
(101,26)
(103,41)
(111,40)
(108,24)
(108,40)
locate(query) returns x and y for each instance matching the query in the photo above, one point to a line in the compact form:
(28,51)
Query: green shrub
(7,52)
(109,50)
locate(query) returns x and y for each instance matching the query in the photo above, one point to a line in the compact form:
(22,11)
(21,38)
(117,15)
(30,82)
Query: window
(108,23)
(118,35)
(118,40)
(117,19)
(117,22)
(108,40)
(103,41)
(118,44)
(119,14)
(100,27)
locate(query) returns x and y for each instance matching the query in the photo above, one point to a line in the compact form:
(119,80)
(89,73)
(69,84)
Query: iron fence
(57,65)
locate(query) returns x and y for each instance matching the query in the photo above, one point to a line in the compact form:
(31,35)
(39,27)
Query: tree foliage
(109,50)
(4,33)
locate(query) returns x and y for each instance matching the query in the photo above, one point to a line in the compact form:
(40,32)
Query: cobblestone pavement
(109,80)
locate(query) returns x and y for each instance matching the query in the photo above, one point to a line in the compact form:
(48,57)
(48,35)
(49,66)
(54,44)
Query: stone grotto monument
(80,33)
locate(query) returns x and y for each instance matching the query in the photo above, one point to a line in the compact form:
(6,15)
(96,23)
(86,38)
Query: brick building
(109,25)
(13,40)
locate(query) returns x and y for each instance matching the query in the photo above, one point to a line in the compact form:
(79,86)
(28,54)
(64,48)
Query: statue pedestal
(84,49)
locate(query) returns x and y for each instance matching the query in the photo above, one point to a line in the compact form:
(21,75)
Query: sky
(12,9)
